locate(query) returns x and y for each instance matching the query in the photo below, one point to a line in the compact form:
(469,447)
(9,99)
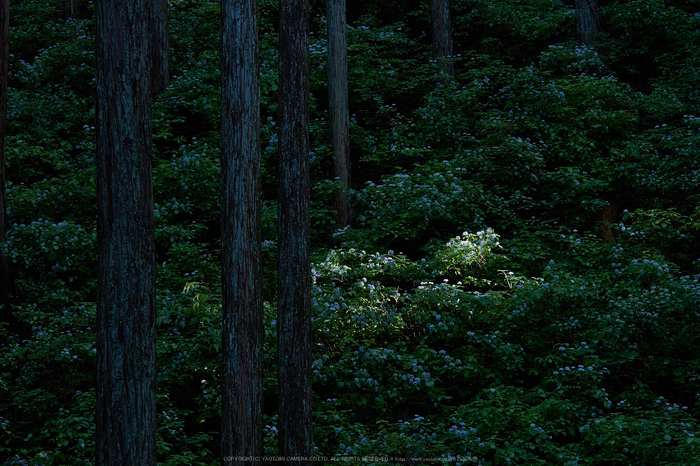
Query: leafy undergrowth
(521,280)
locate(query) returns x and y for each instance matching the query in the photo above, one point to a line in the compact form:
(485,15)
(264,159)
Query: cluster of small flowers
(61,241)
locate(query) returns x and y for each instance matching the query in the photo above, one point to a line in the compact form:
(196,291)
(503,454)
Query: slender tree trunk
(338,105)
(160,72)
(586,21)
(126,317)
(442,34)
(241,407)
(294,288)
(70,9)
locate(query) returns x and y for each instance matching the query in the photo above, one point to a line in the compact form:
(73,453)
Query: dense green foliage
(471,312)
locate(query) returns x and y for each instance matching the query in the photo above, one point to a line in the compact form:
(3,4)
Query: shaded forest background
(519,282)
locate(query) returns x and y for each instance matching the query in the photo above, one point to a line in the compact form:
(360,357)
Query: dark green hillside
(520,283)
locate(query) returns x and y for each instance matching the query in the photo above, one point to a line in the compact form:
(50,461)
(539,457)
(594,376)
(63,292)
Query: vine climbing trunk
(126,317)
(586,21)
(294,286)
(338,105)
(442,35)
(242,360)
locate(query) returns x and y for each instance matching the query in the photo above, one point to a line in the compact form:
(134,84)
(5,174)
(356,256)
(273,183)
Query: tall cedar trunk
(442,34)
(241,406)
(586,21)
(126,318)
(160,72)
(294,288)
(338,104)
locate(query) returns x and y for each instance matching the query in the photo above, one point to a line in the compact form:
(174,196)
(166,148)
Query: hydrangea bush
(473,311)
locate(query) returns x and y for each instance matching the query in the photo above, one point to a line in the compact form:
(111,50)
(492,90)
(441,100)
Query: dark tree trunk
(70,9)
(160,72)
(605,217)
(294,288)
(586,21)
(126,318)
(241,406)
(442,34)
(338,105)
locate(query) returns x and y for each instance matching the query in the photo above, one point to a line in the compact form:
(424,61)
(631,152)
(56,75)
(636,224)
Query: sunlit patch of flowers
(467,250)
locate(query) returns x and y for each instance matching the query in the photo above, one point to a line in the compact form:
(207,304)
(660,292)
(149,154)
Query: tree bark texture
(160,72)
(241,408)
(442,34)
(294,286)
(586,21)
(338,104)
(126,318)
